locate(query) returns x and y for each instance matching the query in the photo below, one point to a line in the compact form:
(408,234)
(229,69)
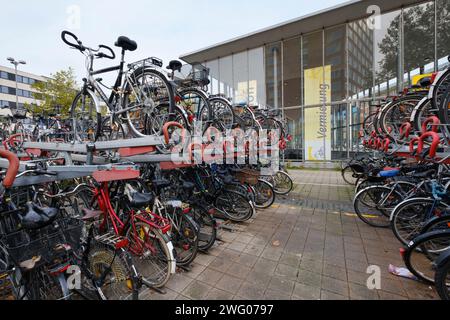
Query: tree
(58,92)
(418,38)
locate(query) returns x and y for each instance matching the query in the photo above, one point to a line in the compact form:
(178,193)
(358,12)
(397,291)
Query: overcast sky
(166,29)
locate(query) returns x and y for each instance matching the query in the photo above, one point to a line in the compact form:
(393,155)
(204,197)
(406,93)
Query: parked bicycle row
(97,209)
(402,181)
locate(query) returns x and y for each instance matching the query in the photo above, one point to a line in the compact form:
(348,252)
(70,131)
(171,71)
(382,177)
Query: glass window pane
(294,121)
(419,41)
(291,72)
(273,75)
(387,54)
(360,59)
(339,131)
(257,78)
(226,76)
(240,77)
(335,56)
(312,59)
(213,66)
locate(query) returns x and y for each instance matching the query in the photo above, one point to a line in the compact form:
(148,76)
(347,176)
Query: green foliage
(58,91)
(418,39)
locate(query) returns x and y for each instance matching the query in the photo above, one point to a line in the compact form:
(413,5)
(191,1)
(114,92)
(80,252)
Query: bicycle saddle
(389,173)
(126,44)
(175,65)
(37,217)
(425,82)
(139,200)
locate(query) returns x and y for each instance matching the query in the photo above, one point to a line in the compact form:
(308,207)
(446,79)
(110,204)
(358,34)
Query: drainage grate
(338,206)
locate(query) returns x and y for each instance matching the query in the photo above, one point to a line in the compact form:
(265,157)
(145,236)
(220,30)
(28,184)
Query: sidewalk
(309,245)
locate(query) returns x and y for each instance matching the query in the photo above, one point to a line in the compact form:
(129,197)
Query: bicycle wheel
(442,281)
(444,112)
(197,102)
(397,113)
(151,254)
(265,195)
(112,130)
(282,183)
(410,217)
(234,205)
(185,239)
(207,227)
(145,93)
(86,122)
(436,224)
(349,175)
(422,252)
(222,112)
(373,205)
(119,283)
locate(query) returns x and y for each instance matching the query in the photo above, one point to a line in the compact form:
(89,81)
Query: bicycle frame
(120,227)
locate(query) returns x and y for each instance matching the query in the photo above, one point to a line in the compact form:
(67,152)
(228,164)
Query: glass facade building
(336,74)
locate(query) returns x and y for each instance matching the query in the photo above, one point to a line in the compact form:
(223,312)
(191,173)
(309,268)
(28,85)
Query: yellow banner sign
(318,119)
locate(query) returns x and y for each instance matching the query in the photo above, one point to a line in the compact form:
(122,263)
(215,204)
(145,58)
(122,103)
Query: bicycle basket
(47,244)
(19,113)
(248,176)
(192,75)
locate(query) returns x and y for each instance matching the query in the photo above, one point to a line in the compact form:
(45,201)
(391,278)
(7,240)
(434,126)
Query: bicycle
(141,97)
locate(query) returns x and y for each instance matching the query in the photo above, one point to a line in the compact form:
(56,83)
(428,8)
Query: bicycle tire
(89,128)
(226,202)
(184,240)
(415,251)
(442,281)
(149,96)
(400,216)
(288,183)
(207,225)
(265,195)
(377,194)
(157,256)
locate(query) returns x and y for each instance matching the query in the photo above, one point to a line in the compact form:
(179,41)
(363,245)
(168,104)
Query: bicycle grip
(13,167)
(64,35)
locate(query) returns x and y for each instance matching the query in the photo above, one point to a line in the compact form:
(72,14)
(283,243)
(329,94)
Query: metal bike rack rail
(97,146)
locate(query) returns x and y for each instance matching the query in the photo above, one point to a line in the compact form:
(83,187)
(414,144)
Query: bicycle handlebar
(103,55)
(78,45)
(13,167)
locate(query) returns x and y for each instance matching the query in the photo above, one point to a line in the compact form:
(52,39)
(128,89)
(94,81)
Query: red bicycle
(121,209)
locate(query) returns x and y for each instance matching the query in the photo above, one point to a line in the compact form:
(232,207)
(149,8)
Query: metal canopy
(346,12)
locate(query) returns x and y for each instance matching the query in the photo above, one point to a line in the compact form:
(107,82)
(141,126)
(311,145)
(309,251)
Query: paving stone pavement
(307,246)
